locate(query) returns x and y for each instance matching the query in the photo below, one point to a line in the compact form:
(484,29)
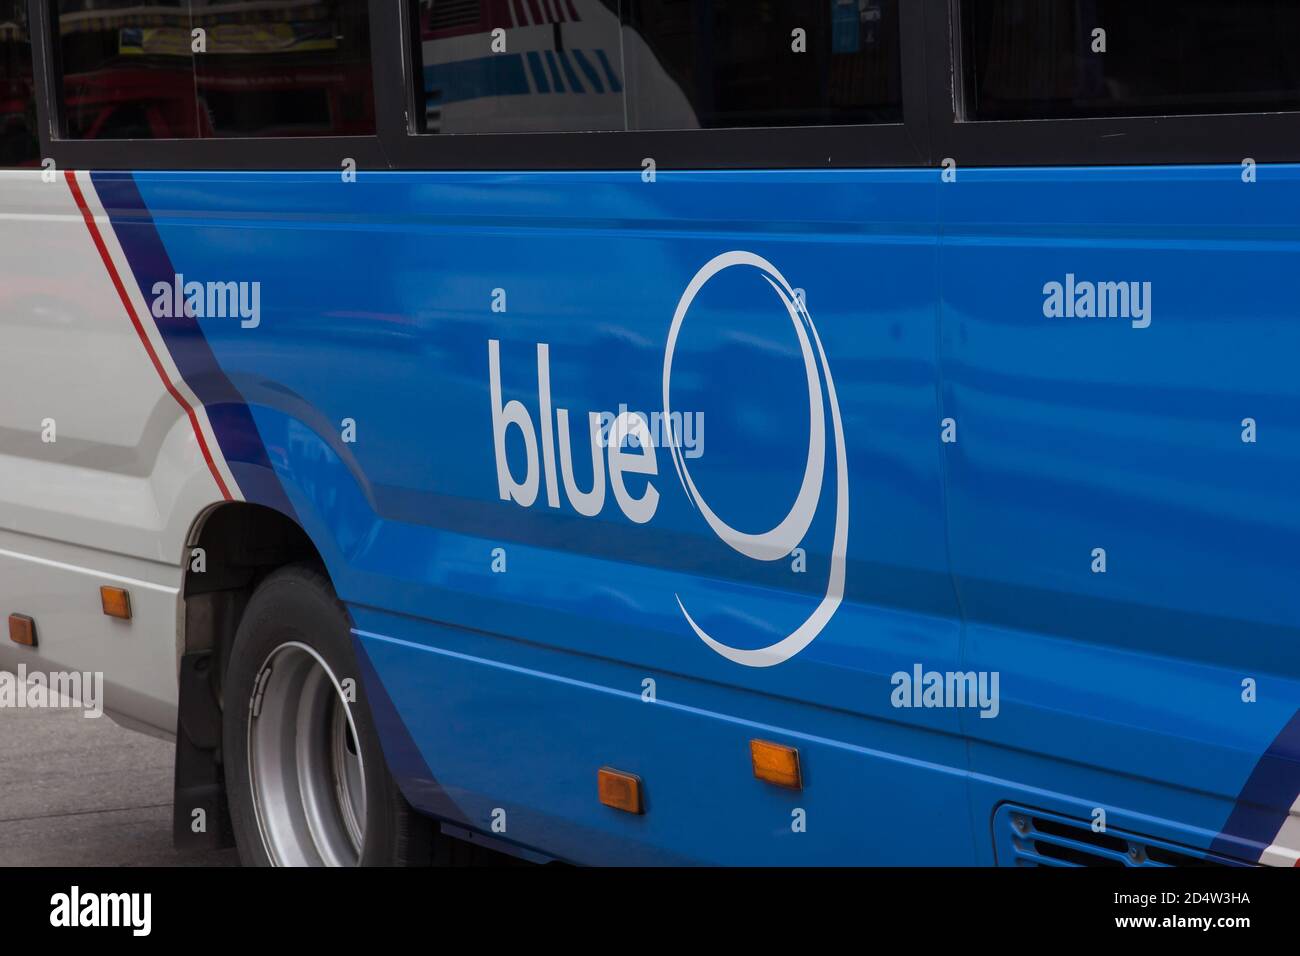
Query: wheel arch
(230,548)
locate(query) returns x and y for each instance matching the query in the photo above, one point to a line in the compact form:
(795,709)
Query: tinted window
(554,66)
(1035,59)
(561,65)
(729,63)
(19,145)
(284,68)
(127,69)
(264,68)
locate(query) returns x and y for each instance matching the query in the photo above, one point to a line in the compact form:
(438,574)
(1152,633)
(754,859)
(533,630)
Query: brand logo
(629,450)
(785,536)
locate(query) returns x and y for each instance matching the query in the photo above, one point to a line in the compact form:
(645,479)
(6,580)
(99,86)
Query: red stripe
(139,329)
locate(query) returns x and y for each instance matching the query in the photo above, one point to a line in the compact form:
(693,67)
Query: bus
(661,432)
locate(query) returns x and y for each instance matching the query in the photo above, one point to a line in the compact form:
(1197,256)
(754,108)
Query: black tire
(292,609)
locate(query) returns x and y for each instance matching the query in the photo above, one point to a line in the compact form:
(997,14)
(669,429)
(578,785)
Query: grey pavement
(77,791)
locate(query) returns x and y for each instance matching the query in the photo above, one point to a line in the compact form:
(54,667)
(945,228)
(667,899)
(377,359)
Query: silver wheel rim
(305,769)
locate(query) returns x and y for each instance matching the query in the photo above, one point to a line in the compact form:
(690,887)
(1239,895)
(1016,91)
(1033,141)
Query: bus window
(656,64)
(19,145)
(1054,59)
(127,69)
(520,67)
(285,68)
(785,63)
(169,69)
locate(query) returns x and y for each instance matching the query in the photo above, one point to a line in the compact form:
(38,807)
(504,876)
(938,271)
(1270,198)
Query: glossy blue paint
(1120,689)
(1124,688)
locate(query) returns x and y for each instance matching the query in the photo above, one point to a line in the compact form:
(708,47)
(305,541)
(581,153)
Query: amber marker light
(619,790)
(116,602)
(22,630)
(776,763)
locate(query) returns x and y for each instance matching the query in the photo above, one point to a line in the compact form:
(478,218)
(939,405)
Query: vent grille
(1035,838)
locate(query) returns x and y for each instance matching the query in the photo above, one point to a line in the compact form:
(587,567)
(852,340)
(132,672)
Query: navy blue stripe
(487,76)
(405,761)
(614,83)
(539,72)
(232,422)
(1265,800)
(585,65)
(555,72)
(569,75)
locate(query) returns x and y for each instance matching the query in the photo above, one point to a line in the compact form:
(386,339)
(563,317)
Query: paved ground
(86,792)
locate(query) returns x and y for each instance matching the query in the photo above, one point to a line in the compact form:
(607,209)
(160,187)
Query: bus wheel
(305,774)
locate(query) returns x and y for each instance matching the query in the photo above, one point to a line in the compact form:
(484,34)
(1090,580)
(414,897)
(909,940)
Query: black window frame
(397,144)
(36,95)
(1212,138)
(226,153)
(851,146)
(933,127)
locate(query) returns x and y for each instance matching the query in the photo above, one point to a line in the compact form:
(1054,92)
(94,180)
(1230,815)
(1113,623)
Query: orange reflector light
(116,602)
(619,790)
(776,763)
(22,630)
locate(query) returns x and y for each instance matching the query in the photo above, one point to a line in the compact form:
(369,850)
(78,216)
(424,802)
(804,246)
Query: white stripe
(1285,849)
(145,313)
(91,572)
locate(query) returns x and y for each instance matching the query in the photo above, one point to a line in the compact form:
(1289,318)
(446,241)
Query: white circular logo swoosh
(778,542)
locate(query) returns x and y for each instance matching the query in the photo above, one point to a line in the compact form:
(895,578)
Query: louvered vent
(1035,838)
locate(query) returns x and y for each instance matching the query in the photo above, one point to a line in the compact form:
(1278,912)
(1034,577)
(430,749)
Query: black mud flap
(200,816)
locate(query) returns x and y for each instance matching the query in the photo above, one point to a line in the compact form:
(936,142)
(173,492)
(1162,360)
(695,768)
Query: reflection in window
(155,69)
(127,69)
(552,66)
(19,145)
(561,65)
(285,68)
(736,62)
(1035,59)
